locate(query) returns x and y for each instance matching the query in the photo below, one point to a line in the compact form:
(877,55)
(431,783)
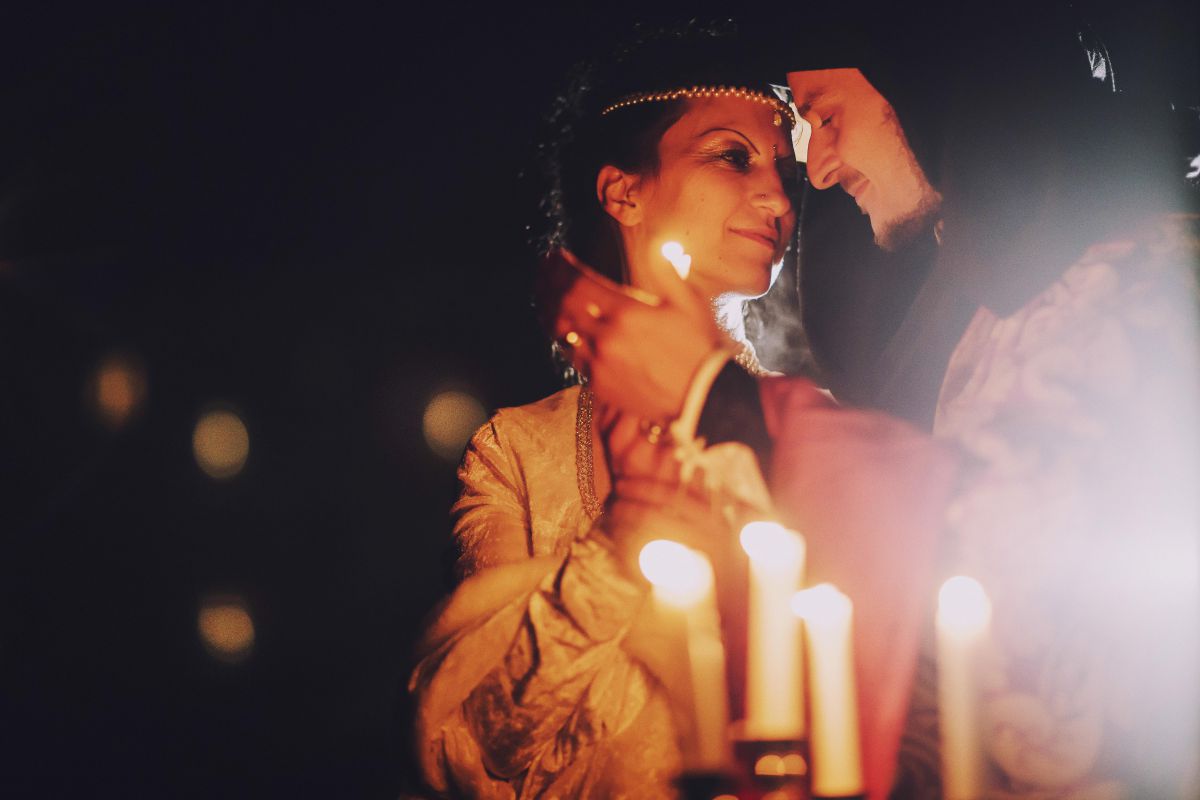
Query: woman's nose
(771,195)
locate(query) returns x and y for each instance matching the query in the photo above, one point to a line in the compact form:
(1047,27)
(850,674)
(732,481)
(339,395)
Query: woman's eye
(736,156)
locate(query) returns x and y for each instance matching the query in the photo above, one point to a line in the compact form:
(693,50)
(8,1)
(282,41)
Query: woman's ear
(619,193)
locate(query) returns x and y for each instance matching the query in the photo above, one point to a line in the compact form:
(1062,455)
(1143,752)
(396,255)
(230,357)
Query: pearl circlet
(703,92)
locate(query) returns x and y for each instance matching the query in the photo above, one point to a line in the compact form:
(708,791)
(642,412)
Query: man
(1049,352)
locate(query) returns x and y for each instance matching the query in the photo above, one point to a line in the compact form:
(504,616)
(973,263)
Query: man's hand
(639,352)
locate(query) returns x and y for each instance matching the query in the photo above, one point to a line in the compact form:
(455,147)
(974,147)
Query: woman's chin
(750,282)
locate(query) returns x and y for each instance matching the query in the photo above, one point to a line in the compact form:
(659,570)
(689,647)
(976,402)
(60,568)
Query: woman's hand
(648,498)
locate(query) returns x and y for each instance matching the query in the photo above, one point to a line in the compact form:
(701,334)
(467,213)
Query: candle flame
(823,604)
(680,575)
(681,261)
(771,545)
(963,605)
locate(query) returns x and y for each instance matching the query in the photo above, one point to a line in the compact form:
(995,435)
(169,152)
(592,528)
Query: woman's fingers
(637,447)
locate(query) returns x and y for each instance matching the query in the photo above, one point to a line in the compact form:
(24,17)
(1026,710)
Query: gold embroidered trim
(747,359)
(585,465)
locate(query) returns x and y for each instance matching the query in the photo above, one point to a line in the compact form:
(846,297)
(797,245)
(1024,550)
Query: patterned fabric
(1078,415)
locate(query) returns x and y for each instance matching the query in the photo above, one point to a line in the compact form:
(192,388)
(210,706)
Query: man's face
(857,142)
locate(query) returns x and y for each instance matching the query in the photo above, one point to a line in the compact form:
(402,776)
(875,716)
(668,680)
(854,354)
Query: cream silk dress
(525,689)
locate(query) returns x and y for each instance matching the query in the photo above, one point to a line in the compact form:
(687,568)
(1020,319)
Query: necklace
(585,466)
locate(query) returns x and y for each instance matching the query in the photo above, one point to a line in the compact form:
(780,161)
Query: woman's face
(720,193)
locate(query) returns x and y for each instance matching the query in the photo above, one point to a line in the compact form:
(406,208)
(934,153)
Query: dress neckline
(585,462)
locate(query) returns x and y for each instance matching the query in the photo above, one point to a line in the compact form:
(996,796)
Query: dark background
(314,217)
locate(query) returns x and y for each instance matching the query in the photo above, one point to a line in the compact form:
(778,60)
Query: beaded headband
(637,98)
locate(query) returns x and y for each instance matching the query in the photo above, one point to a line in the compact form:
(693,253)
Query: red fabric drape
(869,493)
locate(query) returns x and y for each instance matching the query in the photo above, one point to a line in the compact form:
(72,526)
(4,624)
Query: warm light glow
(118,389)
(794,764)
(221,444)
(769,764)
(680,575)
(226,628)
(681,261)
(822,604)
(450,419)
(773,546)
(775,765)
(963,606)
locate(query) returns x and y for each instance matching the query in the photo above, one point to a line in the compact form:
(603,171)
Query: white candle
(683,581)
(964,617)
(834,745)
(774,657)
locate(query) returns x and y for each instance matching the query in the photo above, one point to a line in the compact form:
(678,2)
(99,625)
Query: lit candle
(964,617)
(774,658)
(683,581)
(681,261)
(833,740)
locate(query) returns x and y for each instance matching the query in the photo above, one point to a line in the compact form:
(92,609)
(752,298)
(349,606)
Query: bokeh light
(117,389)
(450,419)
(226,628)
(221,444)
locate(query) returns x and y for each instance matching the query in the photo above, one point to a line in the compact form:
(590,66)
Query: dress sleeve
(522,669)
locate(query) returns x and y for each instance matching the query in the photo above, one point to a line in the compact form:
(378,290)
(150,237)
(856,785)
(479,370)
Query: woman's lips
(765,238)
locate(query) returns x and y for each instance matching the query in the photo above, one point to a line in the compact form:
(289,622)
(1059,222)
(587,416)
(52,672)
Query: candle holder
(707,786)
(773,769)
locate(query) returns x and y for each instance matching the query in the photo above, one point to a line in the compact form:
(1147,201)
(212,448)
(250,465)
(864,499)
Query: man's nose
(823,164)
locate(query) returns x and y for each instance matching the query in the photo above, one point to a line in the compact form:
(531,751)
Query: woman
(529,684)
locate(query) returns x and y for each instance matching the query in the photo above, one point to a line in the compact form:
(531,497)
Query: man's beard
(896,233)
